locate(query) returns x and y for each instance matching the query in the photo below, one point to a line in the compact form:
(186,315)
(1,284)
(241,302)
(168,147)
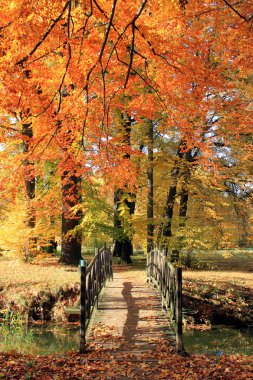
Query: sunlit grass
(19,280)
(229,277)
(227,259)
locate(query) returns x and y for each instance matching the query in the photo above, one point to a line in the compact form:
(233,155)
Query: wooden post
(179,319)
(97,279)
(110,263)
(82,306)
(147,266)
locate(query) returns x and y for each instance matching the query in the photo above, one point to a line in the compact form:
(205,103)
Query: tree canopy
(70,70)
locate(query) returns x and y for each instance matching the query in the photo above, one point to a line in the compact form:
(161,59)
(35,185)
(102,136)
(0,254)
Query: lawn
(214,277)
(35,289)
(229,259)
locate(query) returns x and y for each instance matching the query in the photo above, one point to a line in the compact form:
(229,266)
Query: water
(220,340)
(59,338)
(39,339)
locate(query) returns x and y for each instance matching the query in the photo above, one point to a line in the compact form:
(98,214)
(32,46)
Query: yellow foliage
(227,254)
(14,234)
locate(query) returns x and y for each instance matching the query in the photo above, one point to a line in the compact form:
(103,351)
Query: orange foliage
(66,66)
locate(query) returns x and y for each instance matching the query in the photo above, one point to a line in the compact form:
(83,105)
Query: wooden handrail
(168,279)
(93,279)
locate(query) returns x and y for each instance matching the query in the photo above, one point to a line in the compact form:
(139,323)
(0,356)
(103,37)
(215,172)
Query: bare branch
(108,29)
(144,2)
(59,91)
(6,26)
(84,29)
(143,79)
(236,11)
(9,128)
(69,17)
(109,105)
(46,108)
(131,55)
(44,36)
(120,35)
(88,78)
(104,93)
(63,77)
(85,117)
(158,54)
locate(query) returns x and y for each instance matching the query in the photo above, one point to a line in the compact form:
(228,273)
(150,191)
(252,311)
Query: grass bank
(218,297)
(39,290)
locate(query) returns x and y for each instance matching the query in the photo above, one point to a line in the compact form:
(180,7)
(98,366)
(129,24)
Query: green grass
(227,259)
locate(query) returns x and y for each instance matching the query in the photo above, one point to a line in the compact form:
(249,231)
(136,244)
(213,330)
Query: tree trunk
(123,244)
(27,134)
(179,166)
(71,240)
(126,251)
(29,178)
(150,176)
(184,197)
(243,223)
(165,231)
(117,223)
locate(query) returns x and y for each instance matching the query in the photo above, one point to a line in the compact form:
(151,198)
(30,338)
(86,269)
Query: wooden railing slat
(168,279)
(93,279)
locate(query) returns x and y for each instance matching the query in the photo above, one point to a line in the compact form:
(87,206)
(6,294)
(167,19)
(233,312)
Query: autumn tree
(85,58)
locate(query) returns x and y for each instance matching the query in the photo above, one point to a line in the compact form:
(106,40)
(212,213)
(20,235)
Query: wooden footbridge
(130,310)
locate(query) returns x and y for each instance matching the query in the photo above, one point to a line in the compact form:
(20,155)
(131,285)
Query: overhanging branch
(44,36)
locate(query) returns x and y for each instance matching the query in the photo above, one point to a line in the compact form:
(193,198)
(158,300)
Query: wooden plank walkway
(130,320)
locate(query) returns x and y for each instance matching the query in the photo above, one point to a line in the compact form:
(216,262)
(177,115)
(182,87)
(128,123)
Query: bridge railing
(93,280)
(168,279)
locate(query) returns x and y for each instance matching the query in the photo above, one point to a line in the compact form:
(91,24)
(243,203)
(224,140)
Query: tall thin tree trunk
(183,206)
(27,134)
(243,223)
(117,223)
(180,167)
(123,246)
(189,157)
(71,240)
(29,179)
(184,196)
(165,231)
(150,176)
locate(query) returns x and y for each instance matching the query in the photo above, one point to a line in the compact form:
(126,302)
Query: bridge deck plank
(130,318)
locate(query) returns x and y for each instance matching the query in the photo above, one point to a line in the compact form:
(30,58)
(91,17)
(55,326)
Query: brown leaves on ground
(106,364)
(219,297)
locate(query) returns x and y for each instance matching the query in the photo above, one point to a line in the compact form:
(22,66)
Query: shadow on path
(132,318)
